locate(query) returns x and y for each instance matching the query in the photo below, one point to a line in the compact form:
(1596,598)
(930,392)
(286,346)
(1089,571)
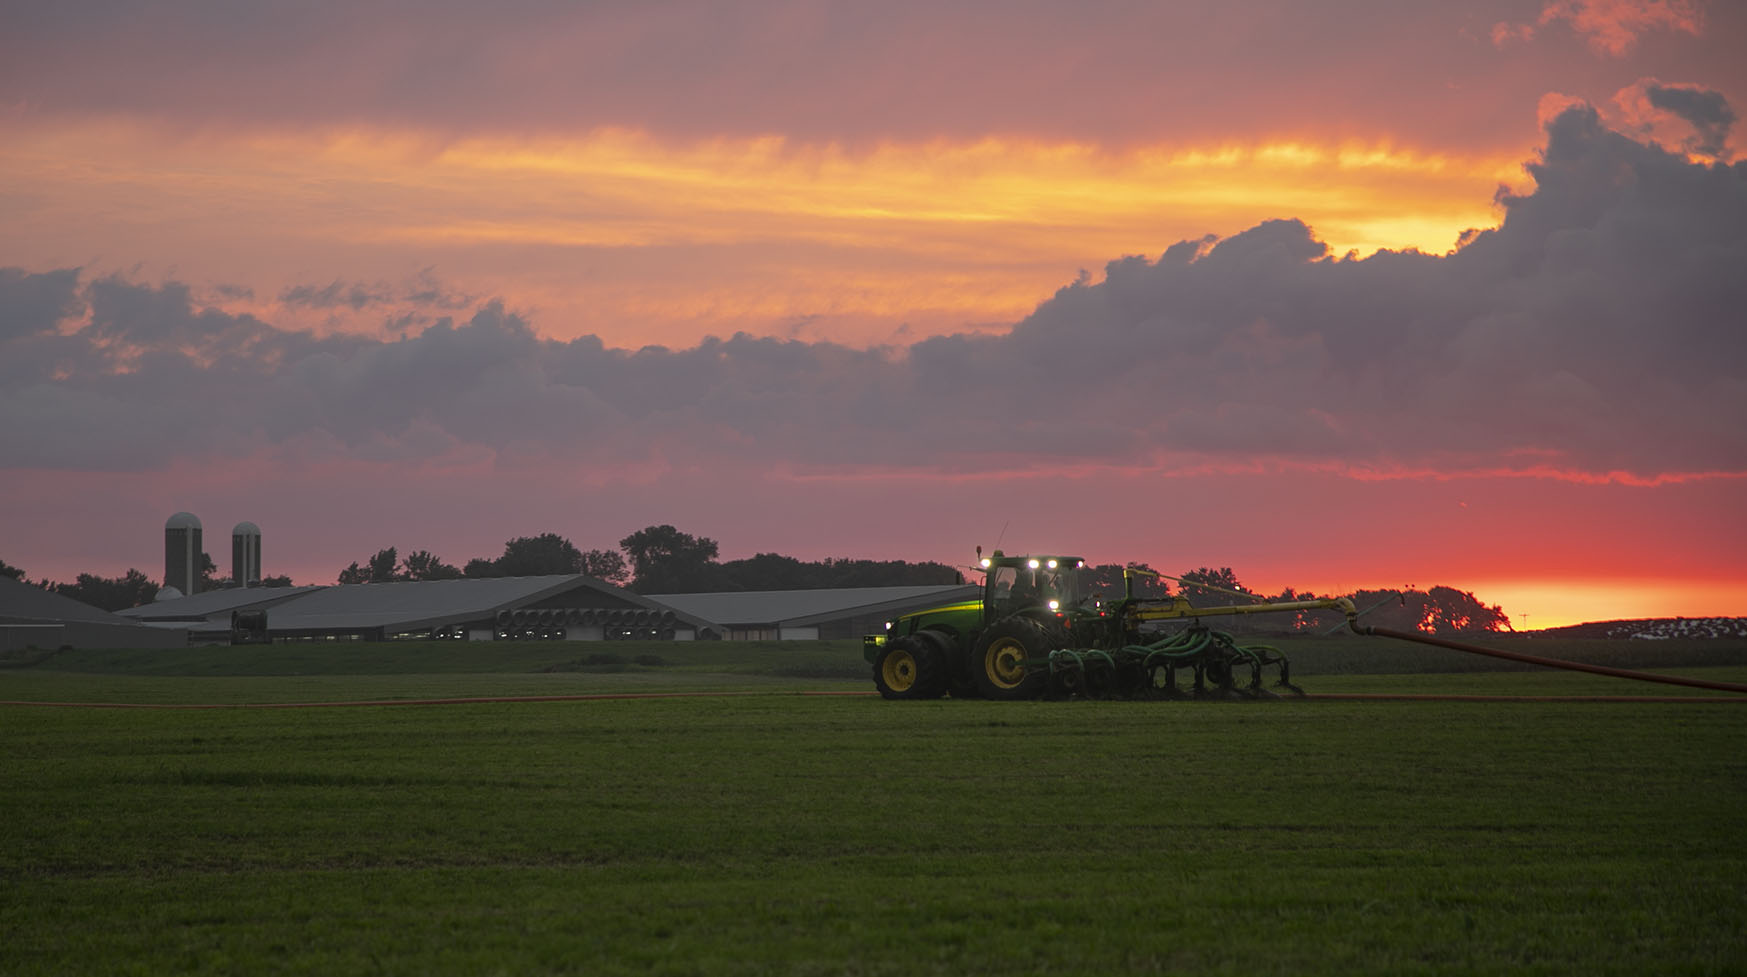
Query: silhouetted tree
(1440,610)
(878,573)
(534,556)
(422,565)
(1106,579)
(608,565)
(479,566)
(384,566)
(1209,587)
(7,570)
(208,575)
(109,593)
(381,568)
(282,580)
(665,560)
(773,571)
(1451,611)
(1382,608)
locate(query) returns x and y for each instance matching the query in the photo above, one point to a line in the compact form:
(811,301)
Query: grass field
(791,834)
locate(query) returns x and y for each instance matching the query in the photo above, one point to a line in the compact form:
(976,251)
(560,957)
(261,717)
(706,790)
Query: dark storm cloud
(423,291)
(333,295)
(33,304)
(1707,111)
(1597,330)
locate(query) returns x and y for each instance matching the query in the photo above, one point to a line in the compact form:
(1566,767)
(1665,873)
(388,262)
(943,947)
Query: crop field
(774,832)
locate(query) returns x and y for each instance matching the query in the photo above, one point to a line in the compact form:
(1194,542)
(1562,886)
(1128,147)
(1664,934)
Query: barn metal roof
(27,602)
(214,602)
(804,607)
(415,604)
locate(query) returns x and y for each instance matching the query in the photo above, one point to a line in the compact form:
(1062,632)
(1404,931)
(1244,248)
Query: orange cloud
(1612,27)
(939,236)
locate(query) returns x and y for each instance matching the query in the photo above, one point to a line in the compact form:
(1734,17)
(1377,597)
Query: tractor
(1035,634)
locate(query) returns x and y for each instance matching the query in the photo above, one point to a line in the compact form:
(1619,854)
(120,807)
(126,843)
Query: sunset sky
(1340,295)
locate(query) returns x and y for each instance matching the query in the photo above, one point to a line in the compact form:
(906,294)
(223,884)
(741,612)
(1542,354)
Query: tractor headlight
(888,625)
(986,562)
(1055,605)
(1032,564)
(1051,564)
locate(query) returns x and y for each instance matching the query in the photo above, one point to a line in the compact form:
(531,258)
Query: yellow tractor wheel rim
(1002,663)
(899,671)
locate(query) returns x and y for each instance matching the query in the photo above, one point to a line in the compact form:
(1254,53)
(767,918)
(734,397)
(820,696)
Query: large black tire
(909,668)
(955,674)
(960,683)
(997,661)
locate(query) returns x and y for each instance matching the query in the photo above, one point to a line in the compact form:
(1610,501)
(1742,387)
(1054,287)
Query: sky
(1340,295)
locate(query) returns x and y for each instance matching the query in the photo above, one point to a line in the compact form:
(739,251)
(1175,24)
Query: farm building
(807,615)
(566,606)
(31,617)
(208,616)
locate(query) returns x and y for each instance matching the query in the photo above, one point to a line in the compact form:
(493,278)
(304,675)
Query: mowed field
(776,832)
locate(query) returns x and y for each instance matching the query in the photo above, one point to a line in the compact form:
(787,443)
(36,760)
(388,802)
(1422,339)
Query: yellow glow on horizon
(996,181)
(1536,604)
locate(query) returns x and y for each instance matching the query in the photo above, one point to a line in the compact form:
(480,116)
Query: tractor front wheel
(998,662)
(909,668)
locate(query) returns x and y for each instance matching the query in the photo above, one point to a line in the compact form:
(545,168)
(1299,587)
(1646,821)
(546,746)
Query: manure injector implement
(1034,633)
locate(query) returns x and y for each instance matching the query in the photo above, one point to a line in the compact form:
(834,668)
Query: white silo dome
(246,529)
(183,520)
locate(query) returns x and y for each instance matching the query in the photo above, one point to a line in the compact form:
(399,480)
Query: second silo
(246,554)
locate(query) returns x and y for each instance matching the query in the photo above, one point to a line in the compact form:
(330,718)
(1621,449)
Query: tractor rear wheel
(909,668)
(998,663)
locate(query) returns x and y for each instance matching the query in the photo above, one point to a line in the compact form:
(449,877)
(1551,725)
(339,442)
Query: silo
(246,554)
(182,552)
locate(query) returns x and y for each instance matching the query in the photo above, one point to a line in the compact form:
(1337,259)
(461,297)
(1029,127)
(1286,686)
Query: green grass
(795,835)
(346,671)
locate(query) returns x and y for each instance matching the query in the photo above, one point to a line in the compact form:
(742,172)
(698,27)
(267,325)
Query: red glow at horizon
(1609,559)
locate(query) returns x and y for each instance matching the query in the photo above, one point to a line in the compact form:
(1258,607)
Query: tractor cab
(1013,584)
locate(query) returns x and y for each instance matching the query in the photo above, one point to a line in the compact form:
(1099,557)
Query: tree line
(131,589)
(1440,610)
(664,560)
(654,560)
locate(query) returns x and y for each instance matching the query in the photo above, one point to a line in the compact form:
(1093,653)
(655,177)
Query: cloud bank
(1596,334)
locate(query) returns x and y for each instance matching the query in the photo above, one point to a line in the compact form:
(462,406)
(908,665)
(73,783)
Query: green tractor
(1034,633)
